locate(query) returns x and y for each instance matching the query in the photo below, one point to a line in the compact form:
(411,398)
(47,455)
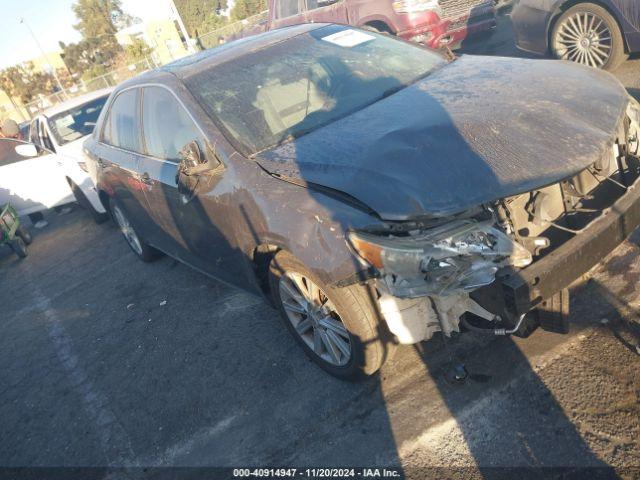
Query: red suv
(434,23)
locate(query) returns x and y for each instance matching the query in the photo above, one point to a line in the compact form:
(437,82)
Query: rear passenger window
(122,126)
(287,8)
(168,128)
(313,4)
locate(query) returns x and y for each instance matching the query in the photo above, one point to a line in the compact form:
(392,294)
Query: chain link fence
(24,113)
(243,28)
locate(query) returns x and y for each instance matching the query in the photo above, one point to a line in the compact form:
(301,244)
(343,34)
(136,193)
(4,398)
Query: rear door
(627,14)
(30,184)
(195,229)
(118,156)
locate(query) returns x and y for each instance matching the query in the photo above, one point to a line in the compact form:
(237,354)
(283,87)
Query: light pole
(44,55)
(183,29)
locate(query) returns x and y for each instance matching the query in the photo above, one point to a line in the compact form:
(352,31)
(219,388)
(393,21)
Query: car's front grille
(457,8)
(465,22)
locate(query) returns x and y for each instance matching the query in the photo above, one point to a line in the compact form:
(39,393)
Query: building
(162,36)
(49,62)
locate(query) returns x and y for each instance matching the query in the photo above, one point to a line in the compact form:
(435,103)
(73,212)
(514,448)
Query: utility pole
(183,29)
(44,55)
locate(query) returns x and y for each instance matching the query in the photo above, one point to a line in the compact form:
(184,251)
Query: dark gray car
(374,191)
(599,34)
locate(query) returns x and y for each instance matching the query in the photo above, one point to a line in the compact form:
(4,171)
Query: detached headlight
(459,255)
(414,6)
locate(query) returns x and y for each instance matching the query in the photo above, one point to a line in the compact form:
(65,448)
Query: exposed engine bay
(431,277)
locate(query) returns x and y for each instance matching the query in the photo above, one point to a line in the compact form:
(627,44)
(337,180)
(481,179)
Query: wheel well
(572,3)
(261,258)
(104,200)
(380,26)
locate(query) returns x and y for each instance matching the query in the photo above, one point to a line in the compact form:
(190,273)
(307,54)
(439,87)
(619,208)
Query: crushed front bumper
(524,290)
(437,33)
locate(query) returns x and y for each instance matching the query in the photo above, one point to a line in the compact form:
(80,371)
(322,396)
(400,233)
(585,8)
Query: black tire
(142,249)
(83,201)
(18,247)
(371,342)
(617,47)
(24,234)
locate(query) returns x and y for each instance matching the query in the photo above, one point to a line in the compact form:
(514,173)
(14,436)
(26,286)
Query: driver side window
(166,124)
(288,8)
(313,4)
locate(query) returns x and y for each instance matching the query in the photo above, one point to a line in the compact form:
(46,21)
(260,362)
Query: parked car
(59,173)
(375,191)
(30,179)
(598,34)
(434,23)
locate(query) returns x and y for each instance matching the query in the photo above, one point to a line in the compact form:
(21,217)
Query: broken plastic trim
(633,142)
(495,331)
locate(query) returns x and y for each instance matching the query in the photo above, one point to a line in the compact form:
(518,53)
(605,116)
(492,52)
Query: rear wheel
(83,201)
(587,34)
(339,328)
(378,27)
(25,235)
(145,252)
(18,246)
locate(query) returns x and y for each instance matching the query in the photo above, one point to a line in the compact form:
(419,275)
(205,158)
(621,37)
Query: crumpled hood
(477,130)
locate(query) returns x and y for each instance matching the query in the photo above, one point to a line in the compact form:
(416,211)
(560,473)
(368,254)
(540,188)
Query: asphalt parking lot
(110,362)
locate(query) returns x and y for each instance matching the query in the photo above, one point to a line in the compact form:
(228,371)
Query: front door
(326,11)
(288,12)
(195,229)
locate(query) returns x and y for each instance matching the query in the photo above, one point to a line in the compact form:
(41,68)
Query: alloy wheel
(584,38)
(127,230)
(314,318)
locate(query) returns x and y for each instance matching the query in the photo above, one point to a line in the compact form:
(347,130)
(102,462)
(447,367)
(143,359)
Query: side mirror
(27,150)
(193,164)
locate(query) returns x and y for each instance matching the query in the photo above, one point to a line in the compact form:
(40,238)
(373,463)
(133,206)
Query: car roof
(76,101)
(192,64)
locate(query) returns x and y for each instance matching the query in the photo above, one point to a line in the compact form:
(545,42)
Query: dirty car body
(537,24)
(477,188)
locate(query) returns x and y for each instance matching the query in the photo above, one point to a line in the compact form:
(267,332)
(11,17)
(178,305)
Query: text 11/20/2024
(317,472)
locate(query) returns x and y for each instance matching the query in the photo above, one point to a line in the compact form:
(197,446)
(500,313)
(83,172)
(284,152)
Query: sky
(52,21)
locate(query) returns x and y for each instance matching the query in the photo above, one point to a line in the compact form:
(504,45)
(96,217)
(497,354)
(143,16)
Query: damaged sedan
(374,191)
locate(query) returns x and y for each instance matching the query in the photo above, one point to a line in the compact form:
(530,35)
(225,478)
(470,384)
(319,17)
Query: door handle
(146,179)
(100,162)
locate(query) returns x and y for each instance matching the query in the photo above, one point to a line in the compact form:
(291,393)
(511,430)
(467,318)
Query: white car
(55,173)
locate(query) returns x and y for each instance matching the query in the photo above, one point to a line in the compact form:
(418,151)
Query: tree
(137,51)
(24,82)
(247,8)
(201,16)
(98,22)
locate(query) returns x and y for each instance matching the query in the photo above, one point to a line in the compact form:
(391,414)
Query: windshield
(291,88)
(76,122)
